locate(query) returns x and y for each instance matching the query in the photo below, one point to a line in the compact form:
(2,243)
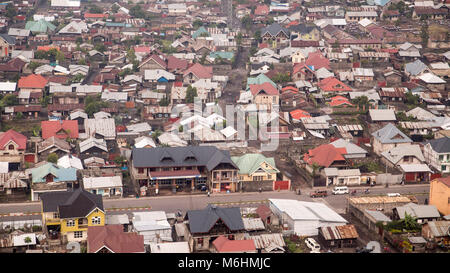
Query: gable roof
(317,60)
(52,127)
(261,78)
(201,221)
(350,148)
(115,239)
(9,39)
(11,135)
(225,245)
(176,63)
(208,156)
(331,84)
(324,155)
(391,134)
(264,87)
(415,68)
(440,145)
(382,115)
(71,204)
(249,163)
(155,58)
(200,71)
(274,29)
(32,81)
(394,155)
(60,174)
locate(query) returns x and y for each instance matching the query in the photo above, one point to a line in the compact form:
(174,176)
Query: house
(7,44)
(382,115)
(388,138)
(304,32)
(112,239)
(32,83)
(432,82)
(440,194)
(349,177)
(104,128)
(302,72)
(437,154)
(12,148)
(59,128)
(196,72)
(67,215)
(158,75)
(356,16)
(153,61)
(53,145)
(207,224)
(93,146)
(265,95)
(50,177)
(422,213)
(420,114)
(316,60)
(415,173)
(390,94)
(255,169)
(406,154)
(224,245)
(304,218)
(167,167)
(325,155)
(153,225)
(344,236)
(331,84)
(416,68)
(363,74)
(41,26)
(352,151)
(437,232)
(170,247)
(275,35)
(110,186)
(70,161)
(340,101)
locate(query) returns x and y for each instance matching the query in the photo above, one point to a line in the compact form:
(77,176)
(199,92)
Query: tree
(247,21)
(10,100)
(95,9)
(412,99)
(203,58)
(53,158)
(197,23)
(257,35)
(180,129)
(115,8)
(10,11)
(191,93)
(164,102)
(137,12)
(33,65)
(239,38)
(424,35)
(45,101)
(156,134)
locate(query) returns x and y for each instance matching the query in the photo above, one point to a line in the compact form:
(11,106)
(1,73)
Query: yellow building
(67,215)
(440,194)
(255,167)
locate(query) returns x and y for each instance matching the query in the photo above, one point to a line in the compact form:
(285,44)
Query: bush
(36,228)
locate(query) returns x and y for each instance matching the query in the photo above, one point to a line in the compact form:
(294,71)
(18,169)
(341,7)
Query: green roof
(199,32)
(40,26)
(249,163)
(61,174)
(261,78)
(222,54)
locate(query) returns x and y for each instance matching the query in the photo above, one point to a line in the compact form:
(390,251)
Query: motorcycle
(367,191)
(353,192)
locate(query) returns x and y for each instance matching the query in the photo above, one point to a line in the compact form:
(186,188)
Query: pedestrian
(208,193)
(260,190)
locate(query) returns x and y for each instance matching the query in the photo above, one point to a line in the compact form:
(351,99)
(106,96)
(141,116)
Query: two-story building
(185,167)
(67,215)
(440,194)
(437,154)
(265,95)
(12,148)
(256,169)
(388,138)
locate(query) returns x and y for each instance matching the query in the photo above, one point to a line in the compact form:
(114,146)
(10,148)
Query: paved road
(193,202)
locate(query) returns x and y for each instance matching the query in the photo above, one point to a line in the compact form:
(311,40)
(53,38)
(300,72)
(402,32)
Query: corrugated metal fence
(20,224)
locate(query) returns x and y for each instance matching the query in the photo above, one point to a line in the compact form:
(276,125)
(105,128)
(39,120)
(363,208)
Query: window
(441,157)
(80,221)
(444,168)
(55,215)
(70,223)
(269,176)
(141,170)
(96,220)
(78,234)
(11,147)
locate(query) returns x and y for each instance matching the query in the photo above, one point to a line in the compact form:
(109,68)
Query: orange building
(440,194)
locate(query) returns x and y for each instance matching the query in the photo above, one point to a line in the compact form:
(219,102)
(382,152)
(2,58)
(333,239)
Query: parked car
(201,187)
(318,194)
(313,245)
(340,190)
(393,194)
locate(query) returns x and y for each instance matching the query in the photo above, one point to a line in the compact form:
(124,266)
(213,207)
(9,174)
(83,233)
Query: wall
(440,196)
(250,186)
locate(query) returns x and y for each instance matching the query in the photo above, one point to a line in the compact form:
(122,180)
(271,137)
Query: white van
(313,245)
(394,194)
(340,190)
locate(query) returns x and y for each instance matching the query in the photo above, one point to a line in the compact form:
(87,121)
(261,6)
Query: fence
(20,224)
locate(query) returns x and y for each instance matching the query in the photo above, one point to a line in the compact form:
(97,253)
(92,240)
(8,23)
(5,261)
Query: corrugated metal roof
(439,228)
(268,240)
(339,232)
(251,224)
(379,199)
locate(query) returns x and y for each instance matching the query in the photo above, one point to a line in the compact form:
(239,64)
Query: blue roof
(391,134)
(60,174)
(381,2)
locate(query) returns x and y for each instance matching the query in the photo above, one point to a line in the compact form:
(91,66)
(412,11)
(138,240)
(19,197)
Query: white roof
(144,141)
(105,127)
(382,114)
(365,22)
(351,148)
(228,131)
(88,88)
(414,168)
(102,182)
(101,114)
(139,127)
(420,114)
(8,86)
(65,3)
(150,220)
(74,27)
(300,210)
(93,142)
(156,74)
(60,89)
(431,78)
(70,161)
(114,96)
(170,247)
(173,140)
(19,240)
(439,65)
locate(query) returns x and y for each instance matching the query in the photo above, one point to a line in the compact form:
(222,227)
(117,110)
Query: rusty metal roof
(339,232)
(380,200)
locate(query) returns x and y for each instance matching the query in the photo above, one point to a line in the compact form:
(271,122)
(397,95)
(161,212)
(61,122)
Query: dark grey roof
(302,28)
(208,156)
(9,39)
(274,29)
(201,221)
(440,145)
(71,204)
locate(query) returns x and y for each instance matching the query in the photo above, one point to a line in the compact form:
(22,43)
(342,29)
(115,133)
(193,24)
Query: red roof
(299,113)
(32,81)
(331,84)
(262,10)
(178,84)
(264,87)
(59,128)
(115,239)
(298,68)
(290,87)
(324,155)
(223,244)
(174,63)
(200,71)
(444,180)
(317,60)
(47,48)
(263,45)
(11,135)
(339,100)
(157,59)
(144,49)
